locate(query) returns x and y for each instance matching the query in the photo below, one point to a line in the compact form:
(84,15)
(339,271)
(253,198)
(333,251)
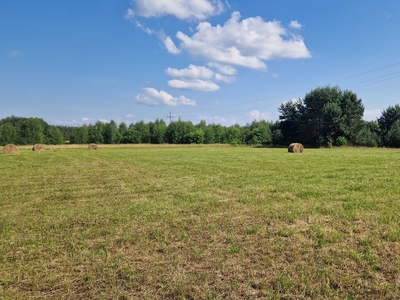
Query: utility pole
(170,117)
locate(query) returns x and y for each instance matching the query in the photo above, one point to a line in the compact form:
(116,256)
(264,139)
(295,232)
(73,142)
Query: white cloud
(169,44)
(130,14)
(129,116)
(14,54)
(84,119)
(224,69)
(197,78)
(372,114)
(181,9)
(152,97)
(256,115)
(103,120)
(244,42)
(195,72)
(227,79)
(295,25)
(194,84)
(275,75)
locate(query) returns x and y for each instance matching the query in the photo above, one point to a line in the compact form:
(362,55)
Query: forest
(325,117)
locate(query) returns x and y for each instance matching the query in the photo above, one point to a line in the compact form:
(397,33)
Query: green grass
(200,222)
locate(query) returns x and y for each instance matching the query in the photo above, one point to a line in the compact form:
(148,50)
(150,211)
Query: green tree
(111,133)
(233,135)
(196,136)
(123,129)
(325,116)
(80,135)
(31,132)
(142,133)
(8,134)
(54,136)
(158,130)
(389,117)
(209,136)
(96,133)
(393,135)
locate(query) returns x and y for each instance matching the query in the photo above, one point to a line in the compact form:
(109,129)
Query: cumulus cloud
(224,69)
(169,44)
(181,9)
(246,42)
(194,84)
(84,119)
(227,79)
(153,97)
(195,72)
(295,25)
(372,114)
(256,115)
(198,78)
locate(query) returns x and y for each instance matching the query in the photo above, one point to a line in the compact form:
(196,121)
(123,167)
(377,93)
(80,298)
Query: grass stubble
(201,222)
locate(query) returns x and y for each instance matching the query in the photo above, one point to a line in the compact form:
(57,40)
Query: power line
(290,93)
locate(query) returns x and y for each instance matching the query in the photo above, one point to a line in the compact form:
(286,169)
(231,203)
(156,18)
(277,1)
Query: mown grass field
(206,222)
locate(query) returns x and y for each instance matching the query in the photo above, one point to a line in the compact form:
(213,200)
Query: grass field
(200,222)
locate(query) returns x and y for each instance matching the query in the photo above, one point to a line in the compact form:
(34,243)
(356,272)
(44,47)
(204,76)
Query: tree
(196,136)
(54,136)
(31,132)
(8,134)
(388,120)
(123,129)
(157,131)
(80,135)
(233,135)
(326,116)
(96,133)
(393,135)
(111,133)
(142,133)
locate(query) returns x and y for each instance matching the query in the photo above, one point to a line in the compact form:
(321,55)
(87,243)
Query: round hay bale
(38,147)
(10,149)
(92,147)
(296,148)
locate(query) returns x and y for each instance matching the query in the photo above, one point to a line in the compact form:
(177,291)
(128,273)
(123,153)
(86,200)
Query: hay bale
(10,149)
(92,147)
(296,148)
(38,147)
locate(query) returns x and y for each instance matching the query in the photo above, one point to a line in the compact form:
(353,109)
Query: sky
(75,62)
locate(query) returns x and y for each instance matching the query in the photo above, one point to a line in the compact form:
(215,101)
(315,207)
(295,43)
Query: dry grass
(39,147)
(296,148)
(200,223)
(93,146)
(10,149)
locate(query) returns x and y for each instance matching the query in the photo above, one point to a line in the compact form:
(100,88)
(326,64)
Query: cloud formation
(198,72)
(372,114)
(194,84)
(181,9)
(256,115)
(245,43)
(153,97)
(295,25)
(198,78)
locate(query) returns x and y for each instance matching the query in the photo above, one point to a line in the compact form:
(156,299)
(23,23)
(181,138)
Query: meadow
(200,222)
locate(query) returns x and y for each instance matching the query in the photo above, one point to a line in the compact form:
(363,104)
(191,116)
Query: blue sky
(74,62)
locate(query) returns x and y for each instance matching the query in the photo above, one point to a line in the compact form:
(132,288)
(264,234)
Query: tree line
(325,117)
